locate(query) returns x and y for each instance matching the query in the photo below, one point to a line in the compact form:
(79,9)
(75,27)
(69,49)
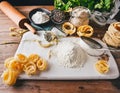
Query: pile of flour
(40,17)
(70,54)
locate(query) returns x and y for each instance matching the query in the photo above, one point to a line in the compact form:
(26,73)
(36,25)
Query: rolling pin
(16,16)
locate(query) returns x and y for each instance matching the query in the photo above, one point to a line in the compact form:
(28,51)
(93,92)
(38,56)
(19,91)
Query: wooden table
(33,86)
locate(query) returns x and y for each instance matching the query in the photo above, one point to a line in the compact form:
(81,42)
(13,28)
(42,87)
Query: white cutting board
(59,72)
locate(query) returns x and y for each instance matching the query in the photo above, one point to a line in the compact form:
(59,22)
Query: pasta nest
(102,66)
(12,63)
(22,58)
(85,30)
(30,68)
(68,28)
(14,66)
(41,64)
(112,36)
(9,76)
(33,58)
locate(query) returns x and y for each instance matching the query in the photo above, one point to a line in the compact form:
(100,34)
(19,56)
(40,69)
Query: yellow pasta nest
(102,66)
(30,68)
(85,30)
(41,64)
(68,28)
(15,66)
(112,35)
(12,63)
(22,58)
(9,77)
(7,61)
(33,58)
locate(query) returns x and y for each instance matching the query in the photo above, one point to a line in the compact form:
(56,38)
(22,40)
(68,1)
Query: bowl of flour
(39,16)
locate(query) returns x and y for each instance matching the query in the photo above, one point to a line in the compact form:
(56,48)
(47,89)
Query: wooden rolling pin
(16,16)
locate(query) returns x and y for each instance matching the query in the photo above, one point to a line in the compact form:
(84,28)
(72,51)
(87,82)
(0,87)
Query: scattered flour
(70,54)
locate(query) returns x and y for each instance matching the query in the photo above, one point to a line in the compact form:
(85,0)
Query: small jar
(80,16)
(98,19)
(79,21)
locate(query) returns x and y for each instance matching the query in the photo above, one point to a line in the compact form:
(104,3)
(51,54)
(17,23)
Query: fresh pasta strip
(45,45)
(85,30)
(22,58)
(33,58)
(102,66)
(30,68)
(9,77)
(42,64)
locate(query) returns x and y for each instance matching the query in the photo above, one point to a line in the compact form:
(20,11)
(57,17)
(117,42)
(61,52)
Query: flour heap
(40,17)
(70,54)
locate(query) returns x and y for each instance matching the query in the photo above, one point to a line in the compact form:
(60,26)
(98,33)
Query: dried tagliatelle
(9,76)
(102,66)
(14,68)
(112,36)
(7,61)
(17,31)
(30,68)
(85,30)
(12,63)
(33,58)
(15,65)
(41,64)
(68,28)
(22,58)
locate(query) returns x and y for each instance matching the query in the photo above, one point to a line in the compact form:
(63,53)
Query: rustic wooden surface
(33,86)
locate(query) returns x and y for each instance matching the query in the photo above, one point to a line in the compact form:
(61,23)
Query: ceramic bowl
(43,10)
(57,16)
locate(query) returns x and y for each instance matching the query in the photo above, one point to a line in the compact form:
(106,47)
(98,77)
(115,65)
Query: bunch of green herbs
(100,5)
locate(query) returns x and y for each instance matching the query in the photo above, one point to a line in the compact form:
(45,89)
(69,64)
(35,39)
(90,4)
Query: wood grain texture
(34,86)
